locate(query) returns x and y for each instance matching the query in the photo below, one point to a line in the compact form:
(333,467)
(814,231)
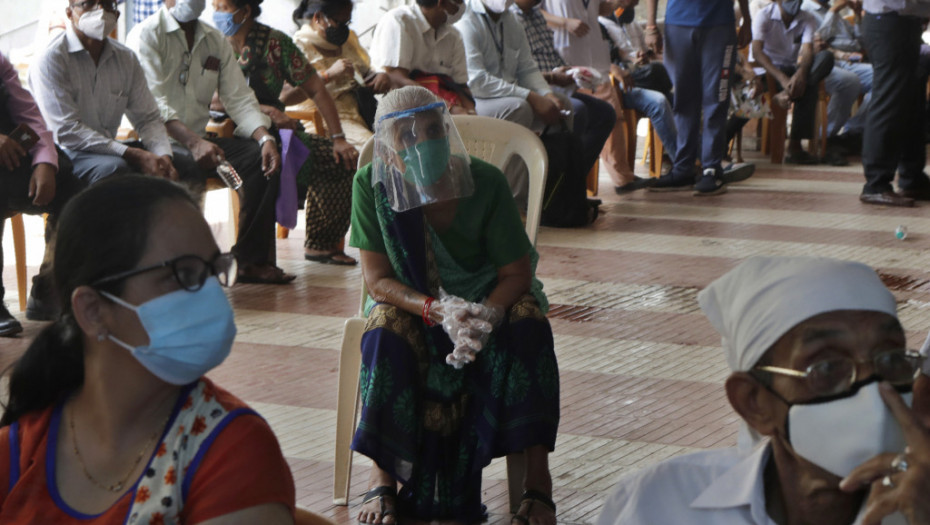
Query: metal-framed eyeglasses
(185,68)
(837,375)
(190,271)
(91,5)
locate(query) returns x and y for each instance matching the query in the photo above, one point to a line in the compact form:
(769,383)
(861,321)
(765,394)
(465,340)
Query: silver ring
(886,482)
(899,463)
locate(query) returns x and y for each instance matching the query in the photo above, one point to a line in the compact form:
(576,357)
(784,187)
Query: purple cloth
(293,155)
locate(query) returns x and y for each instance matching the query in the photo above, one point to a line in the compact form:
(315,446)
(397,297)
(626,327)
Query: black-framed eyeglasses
(837,375)
(190,271)
(185,68)
(90,5)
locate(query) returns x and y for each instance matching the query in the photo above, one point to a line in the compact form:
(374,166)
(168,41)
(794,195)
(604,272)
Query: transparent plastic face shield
(420,158)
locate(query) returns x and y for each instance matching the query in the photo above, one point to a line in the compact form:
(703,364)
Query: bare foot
(378,507)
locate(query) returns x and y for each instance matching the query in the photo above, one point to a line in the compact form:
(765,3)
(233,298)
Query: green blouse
(487,225)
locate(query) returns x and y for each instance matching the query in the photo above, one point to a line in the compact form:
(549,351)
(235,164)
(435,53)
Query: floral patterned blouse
(268,60)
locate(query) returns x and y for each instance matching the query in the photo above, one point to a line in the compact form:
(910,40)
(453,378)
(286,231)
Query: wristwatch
(266,138)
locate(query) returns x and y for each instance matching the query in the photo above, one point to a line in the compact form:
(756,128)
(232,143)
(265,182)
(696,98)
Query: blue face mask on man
(225,22)
(189,332)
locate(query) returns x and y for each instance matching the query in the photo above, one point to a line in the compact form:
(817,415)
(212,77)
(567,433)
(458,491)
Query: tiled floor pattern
(641,369)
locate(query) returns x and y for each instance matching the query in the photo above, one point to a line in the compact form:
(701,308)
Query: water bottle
(228,175)
(900,233)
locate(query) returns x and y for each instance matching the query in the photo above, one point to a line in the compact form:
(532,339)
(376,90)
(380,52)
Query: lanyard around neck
(498,45)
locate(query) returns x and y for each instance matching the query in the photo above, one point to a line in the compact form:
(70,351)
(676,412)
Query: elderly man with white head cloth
(824,384)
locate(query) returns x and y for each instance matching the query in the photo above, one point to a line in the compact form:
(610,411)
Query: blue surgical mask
(189,332)
(225,23)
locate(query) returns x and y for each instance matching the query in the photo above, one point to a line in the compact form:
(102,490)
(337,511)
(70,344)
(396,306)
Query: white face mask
(187,10)
(840,435)
(452,18)
(97,24)
(497,6)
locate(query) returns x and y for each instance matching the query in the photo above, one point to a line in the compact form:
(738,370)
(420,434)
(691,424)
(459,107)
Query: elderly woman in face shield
(458,364)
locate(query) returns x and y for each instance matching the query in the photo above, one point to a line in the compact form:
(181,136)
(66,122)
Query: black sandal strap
(535,495)
(379,492)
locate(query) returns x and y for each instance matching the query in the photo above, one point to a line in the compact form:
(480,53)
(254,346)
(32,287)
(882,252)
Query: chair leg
(234,212)
(516,471)
(658,151)
(346,407)
(647,148)
(592,181)
(283,232)
(19,248)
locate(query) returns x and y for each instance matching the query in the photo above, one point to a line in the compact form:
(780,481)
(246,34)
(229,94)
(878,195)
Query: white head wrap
(757,302)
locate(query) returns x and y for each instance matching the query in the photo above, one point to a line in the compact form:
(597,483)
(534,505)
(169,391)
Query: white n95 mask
(838,435)
(187,10)
(97,24)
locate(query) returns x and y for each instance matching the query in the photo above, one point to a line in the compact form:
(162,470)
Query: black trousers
(805,108)
(14,199)
(256,242)
(893,137)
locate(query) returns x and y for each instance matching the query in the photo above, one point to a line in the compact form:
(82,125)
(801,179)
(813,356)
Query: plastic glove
(473,332)
(585,77)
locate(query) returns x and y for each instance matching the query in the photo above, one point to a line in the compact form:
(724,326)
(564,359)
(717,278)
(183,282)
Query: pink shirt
(23,110)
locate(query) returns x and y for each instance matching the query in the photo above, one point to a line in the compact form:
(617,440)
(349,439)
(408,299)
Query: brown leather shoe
(887,198)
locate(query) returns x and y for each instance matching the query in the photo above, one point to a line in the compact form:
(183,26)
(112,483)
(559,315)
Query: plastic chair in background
(494,141)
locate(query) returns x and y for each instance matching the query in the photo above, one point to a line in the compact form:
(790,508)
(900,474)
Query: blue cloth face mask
(225,22)
(189,332)
(426,161)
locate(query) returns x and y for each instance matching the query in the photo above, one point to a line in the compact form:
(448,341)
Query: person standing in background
(700,43)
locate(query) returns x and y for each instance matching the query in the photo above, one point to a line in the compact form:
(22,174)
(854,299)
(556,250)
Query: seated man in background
(844,40)
(783,44)
(819,369)
(83,83)
(628,50)
(34,180)
(417,44)
(593,118)
(185,62)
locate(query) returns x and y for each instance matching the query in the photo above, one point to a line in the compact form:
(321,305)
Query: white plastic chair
(494,141)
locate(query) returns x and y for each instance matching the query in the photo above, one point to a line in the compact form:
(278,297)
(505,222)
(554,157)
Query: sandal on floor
(264,274)
(531,497)
(380,493)
(330,258)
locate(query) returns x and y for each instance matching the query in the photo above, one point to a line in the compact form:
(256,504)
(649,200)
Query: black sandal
(532,497)
(379,493)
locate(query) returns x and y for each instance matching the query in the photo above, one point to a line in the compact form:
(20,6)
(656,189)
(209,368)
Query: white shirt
(162,48)
(83,103)
(500,61)
(403,38)
(711,487)
(629,38)
(779,43)
(590,50)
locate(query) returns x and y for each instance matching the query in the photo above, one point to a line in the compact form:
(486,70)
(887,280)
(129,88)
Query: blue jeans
(864,72)
(843,87)
(654,105)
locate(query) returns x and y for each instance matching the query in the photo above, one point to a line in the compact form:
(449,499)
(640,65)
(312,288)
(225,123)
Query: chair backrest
(495,141)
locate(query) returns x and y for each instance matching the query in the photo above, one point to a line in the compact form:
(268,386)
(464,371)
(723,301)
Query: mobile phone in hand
(24,136)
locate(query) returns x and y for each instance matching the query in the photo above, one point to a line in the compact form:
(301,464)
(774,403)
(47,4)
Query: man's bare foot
(380,503)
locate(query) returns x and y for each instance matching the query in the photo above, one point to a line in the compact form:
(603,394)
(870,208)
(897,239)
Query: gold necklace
(118,486)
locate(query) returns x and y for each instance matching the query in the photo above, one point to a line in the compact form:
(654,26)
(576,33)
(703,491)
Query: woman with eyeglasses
(109,417)
(334,50)
(269,59)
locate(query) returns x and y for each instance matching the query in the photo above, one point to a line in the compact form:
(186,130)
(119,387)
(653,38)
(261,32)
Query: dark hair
(254,4)
(330,8)
(102,231)
(427,3)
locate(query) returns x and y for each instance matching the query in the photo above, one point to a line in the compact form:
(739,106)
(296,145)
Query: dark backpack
(565,200)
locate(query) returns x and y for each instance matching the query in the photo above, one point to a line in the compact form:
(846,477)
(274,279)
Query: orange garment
(239,466)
